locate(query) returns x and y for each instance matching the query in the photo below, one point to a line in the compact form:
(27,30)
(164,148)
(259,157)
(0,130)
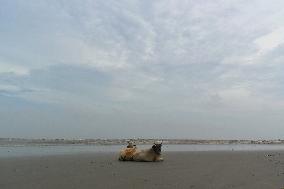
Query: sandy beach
(198,170)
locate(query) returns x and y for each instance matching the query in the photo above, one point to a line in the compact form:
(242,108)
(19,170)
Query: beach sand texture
(197,170)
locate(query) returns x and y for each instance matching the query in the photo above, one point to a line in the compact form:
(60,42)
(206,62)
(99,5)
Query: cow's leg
(160,159)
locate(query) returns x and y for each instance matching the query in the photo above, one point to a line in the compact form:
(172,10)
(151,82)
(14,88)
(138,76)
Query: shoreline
(22,141)
(47,150)
(50,150)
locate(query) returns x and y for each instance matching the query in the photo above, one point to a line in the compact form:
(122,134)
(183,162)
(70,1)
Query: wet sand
(197,170)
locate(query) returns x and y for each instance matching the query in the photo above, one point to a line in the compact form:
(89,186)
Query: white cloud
(270,41)
(234,93)
(9,88)
(162,57)
(264,45)
(14,69)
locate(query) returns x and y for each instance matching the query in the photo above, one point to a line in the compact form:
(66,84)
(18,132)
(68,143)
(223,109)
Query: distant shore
(20,141)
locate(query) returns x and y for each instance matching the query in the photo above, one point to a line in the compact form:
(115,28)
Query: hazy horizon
(142,69)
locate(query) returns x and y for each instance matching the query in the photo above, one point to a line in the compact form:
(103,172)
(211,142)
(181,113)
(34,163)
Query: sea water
(35,150)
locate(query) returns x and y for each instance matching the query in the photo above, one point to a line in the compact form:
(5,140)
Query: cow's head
(157,147)
(131,144)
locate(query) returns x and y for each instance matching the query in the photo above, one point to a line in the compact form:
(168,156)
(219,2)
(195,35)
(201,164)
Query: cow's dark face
(157,148)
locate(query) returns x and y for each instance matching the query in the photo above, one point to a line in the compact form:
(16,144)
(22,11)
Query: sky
(142,69)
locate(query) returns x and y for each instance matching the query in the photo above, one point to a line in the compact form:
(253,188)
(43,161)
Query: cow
(147,155)
(127,153)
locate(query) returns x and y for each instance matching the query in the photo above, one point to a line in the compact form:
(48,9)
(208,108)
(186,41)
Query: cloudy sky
(165,68)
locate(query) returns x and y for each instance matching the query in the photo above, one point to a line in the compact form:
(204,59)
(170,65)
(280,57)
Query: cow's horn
(158,142)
